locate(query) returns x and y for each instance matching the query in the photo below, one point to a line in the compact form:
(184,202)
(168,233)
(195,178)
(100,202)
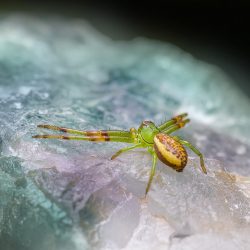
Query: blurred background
(213,31)
(66,195)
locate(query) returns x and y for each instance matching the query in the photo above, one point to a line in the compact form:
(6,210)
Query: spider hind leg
(195,150)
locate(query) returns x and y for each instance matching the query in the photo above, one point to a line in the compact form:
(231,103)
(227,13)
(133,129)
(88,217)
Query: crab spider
(157,140)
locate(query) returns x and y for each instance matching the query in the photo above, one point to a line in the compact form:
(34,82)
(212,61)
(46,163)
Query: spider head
(147,131)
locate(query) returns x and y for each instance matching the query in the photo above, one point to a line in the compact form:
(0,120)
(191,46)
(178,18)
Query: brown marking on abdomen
(166,162)
(171,147)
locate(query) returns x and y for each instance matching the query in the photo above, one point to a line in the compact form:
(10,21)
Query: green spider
(158,141)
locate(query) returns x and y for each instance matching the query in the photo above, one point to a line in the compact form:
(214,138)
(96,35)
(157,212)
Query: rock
(69,194)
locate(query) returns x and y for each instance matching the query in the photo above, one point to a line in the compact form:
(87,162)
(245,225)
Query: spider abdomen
(170,151)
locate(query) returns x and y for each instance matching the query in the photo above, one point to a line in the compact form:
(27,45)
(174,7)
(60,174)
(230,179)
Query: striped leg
(172,121)
(118,133)
(176,126)
(90,135)
(94,138)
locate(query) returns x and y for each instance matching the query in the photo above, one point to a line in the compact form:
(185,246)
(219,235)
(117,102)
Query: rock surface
(69,194)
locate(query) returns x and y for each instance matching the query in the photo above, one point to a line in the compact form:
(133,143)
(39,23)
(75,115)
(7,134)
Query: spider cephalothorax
(146,132)
(157,139)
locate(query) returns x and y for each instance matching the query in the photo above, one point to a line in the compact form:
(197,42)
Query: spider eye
(146,123)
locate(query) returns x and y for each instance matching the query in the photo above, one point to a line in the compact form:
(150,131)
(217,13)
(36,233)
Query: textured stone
(69,194)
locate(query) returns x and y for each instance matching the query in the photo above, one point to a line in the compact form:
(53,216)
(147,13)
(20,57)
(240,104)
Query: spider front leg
(195,150)
(152,172)
(116,133)
(88,135)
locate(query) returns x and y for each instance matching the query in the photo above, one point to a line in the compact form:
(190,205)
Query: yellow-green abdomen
(170,151)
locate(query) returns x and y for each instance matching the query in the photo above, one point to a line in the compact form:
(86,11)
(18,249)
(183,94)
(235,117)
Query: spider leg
(118,133)
(91,135)
(93,138)
(125,150)
(176,126)
(152,172)
(172,121)
(195,150)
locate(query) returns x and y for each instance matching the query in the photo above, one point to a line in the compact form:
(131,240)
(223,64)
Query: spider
(157,140)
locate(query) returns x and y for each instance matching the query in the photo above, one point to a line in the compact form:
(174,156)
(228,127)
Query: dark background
(213,31)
